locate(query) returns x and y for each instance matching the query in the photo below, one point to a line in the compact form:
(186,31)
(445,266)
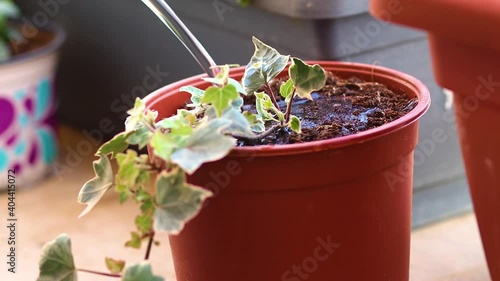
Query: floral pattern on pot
(28,142)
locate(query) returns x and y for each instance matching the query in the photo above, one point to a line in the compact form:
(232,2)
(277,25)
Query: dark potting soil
(32,42)
(343,107)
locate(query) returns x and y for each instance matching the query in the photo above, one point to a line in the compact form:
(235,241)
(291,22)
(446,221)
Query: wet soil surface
(341,108)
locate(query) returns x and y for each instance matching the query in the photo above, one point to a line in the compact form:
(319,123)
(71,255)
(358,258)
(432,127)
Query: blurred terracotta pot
(28,140)
(465,48)
(338,209)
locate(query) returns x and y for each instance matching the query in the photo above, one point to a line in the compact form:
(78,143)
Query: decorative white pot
(28,141)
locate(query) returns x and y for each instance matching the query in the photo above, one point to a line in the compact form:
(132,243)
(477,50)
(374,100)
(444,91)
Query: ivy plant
(206,130)
(7,10)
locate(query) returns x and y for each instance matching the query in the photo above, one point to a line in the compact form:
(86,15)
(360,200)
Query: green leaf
(286,90)
(144,223)
(206,144)
(266,109)
(56,262)
(162,145)
(93,190)
(140,137)
(237,103)
(114,146)
(239,123)
(265,64)
(255,121)
(192,90)
(220,98)
(135,241)
(294,124)
(140,272)
(306,78)
(115,266)
(237,85)
(177,201)
(127,169)
(196,94)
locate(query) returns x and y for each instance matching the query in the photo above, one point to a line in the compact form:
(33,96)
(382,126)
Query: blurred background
(116,50)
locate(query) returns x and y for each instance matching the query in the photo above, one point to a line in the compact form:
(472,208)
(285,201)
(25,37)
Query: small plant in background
(7,10)
(206,130)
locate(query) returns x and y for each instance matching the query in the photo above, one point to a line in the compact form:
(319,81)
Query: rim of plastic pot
(52,46)
(393,79)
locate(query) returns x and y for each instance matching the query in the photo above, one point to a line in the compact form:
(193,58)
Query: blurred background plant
(7,10)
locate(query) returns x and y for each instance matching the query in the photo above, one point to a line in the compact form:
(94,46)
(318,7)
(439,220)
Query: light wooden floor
(446,251)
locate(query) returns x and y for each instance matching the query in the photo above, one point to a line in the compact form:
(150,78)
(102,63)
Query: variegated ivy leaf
(114,146)
(265,64)
(56,261)
(114,266)
(220,98)
(140,272)
(255,121)
(238,86)
(127,169)
(93,190)
(196,94)
(286,90)
(163,145)
(139,116)
(179,124)
(177,201)
(239,123)
(294,124)
(266,109)
(140,137)
(237,103)
(207,143)
(306,78)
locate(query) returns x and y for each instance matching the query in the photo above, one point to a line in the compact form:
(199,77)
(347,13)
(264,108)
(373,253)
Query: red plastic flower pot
(465,49)
(337,209)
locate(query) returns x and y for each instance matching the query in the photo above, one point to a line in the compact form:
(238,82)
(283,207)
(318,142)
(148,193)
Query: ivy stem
(150,244)
(271,95)
(259,136)
(289,107)
(100,273)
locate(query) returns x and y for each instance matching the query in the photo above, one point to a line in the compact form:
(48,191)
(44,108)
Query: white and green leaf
(286,90)
(265,64)
(306,78)
(140,272)
(140,137)
(196,94)
(294,124)
(266,109)
(114,146)
(163,145)
(255,121)
(56,261)
(207,143)
(177,201)
(93,190)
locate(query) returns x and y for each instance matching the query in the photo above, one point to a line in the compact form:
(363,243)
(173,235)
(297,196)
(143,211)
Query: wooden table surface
(446,251)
